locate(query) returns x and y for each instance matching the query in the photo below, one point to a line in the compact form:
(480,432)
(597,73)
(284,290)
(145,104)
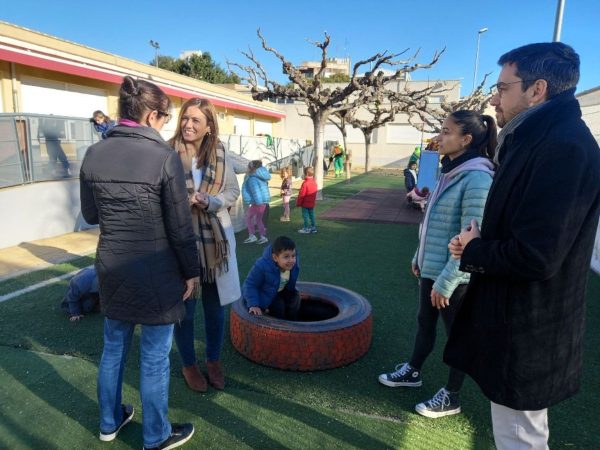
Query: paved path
(375,205)
(35,255)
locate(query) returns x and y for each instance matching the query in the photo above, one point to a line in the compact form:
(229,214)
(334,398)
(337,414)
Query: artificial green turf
(28,279)
(49,365)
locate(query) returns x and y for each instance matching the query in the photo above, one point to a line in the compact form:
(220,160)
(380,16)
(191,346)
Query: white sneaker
(304,230)
(251,238)
(262,240)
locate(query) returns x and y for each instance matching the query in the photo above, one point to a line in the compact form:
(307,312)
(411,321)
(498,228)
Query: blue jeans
(155,345)
(214,324)
(308,214)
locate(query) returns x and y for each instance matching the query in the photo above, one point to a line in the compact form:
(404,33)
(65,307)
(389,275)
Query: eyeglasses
(501,87)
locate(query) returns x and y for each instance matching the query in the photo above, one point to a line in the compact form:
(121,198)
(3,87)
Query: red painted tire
(324,344)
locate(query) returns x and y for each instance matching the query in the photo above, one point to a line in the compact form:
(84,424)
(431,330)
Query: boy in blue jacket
(270,286)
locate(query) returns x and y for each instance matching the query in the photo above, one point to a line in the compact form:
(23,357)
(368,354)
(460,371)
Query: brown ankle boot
(215,374)
(194,378)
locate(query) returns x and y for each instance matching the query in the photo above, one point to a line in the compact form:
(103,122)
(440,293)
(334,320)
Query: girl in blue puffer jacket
(255,193)
(467,142)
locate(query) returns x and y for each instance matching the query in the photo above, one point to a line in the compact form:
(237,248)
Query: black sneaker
(180,434)
(403,375)
(444,403)
(127,416)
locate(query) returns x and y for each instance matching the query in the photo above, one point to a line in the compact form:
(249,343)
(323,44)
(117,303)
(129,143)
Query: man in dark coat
(519,333)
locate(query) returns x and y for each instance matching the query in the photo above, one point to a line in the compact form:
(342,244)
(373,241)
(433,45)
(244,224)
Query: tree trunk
(347,158)
(319,133)
(367,150)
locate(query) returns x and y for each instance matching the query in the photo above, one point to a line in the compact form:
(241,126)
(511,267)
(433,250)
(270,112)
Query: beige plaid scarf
(213,246)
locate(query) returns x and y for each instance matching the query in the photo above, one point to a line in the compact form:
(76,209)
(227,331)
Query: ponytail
(488,146)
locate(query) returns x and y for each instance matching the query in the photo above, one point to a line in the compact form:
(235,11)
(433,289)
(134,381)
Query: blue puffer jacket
(255,189)
(458,197)
(262,282)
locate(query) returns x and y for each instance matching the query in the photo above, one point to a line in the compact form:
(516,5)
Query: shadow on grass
(311,418)
(21,433)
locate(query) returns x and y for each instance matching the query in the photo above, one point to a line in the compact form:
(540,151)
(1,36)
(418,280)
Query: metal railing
(35,147)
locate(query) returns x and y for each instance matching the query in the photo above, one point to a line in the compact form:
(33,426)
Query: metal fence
(274,152)
(35,147)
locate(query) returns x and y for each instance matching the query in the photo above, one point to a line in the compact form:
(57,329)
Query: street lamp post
(479,33)
(560,8)
(156,46)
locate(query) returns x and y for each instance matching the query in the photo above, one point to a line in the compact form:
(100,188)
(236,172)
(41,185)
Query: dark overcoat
(133,185)
(519,333)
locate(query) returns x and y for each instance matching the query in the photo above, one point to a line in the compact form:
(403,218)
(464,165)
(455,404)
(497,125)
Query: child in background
(418,198)
(338,160)
(102,123)
(286,193)
(255,192)
(410,176)
(82,295)
(306,200)
(270,286)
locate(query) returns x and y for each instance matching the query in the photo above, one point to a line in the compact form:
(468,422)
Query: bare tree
(323,100)
(383,110)
(431,119)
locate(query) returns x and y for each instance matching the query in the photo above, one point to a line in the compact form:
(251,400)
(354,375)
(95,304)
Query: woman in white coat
(212,188)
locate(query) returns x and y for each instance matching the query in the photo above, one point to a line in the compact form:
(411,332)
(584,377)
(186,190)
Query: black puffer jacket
(133,185)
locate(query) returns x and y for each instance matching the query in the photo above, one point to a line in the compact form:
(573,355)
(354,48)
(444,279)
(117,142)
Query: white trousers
(519,430)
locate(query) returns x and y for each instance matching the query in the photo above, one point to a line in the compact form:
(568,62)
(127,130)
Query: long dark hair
(211,140)
(136,97)
(481,127)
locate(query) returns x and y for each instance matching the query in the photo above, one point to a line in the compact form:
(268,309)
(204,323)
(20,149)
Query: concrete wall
(39,210)
(52,208)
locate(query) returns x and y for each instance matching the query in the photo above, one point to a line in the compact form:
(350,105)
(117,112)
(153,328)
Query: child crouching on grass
(82,295)
(270,286)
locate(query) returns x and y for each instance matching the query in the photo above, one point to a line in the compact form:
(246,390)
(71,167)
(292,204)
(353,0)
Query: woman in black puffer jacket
(133,185)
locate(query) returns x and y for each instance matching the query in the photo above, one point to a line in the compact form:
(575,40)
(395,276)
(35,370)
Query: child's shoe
(444,403)
(403,375)
(313,230)
(251,238)
(262,240)
(284,219)
(304,230)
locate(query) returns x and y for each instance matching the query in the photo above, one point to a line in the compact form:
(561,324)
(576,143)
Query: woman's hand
(415,270)
(255,310)
(189,288)
(201,199)
(438,300)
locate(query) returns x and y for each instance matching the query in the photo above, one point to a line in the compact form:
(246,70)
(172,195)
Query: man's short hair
(281,244)
(555,62)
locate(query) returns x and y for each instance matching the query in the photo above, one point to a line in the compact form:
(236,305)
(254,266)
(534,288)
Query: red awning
(76,68)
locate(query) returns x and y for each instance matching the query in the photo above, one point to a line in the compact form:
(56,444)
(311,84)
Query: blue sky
(358,29)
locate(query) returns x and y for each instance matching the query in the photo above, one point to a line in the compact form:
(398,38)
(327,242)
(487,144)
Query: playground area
(49,365)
